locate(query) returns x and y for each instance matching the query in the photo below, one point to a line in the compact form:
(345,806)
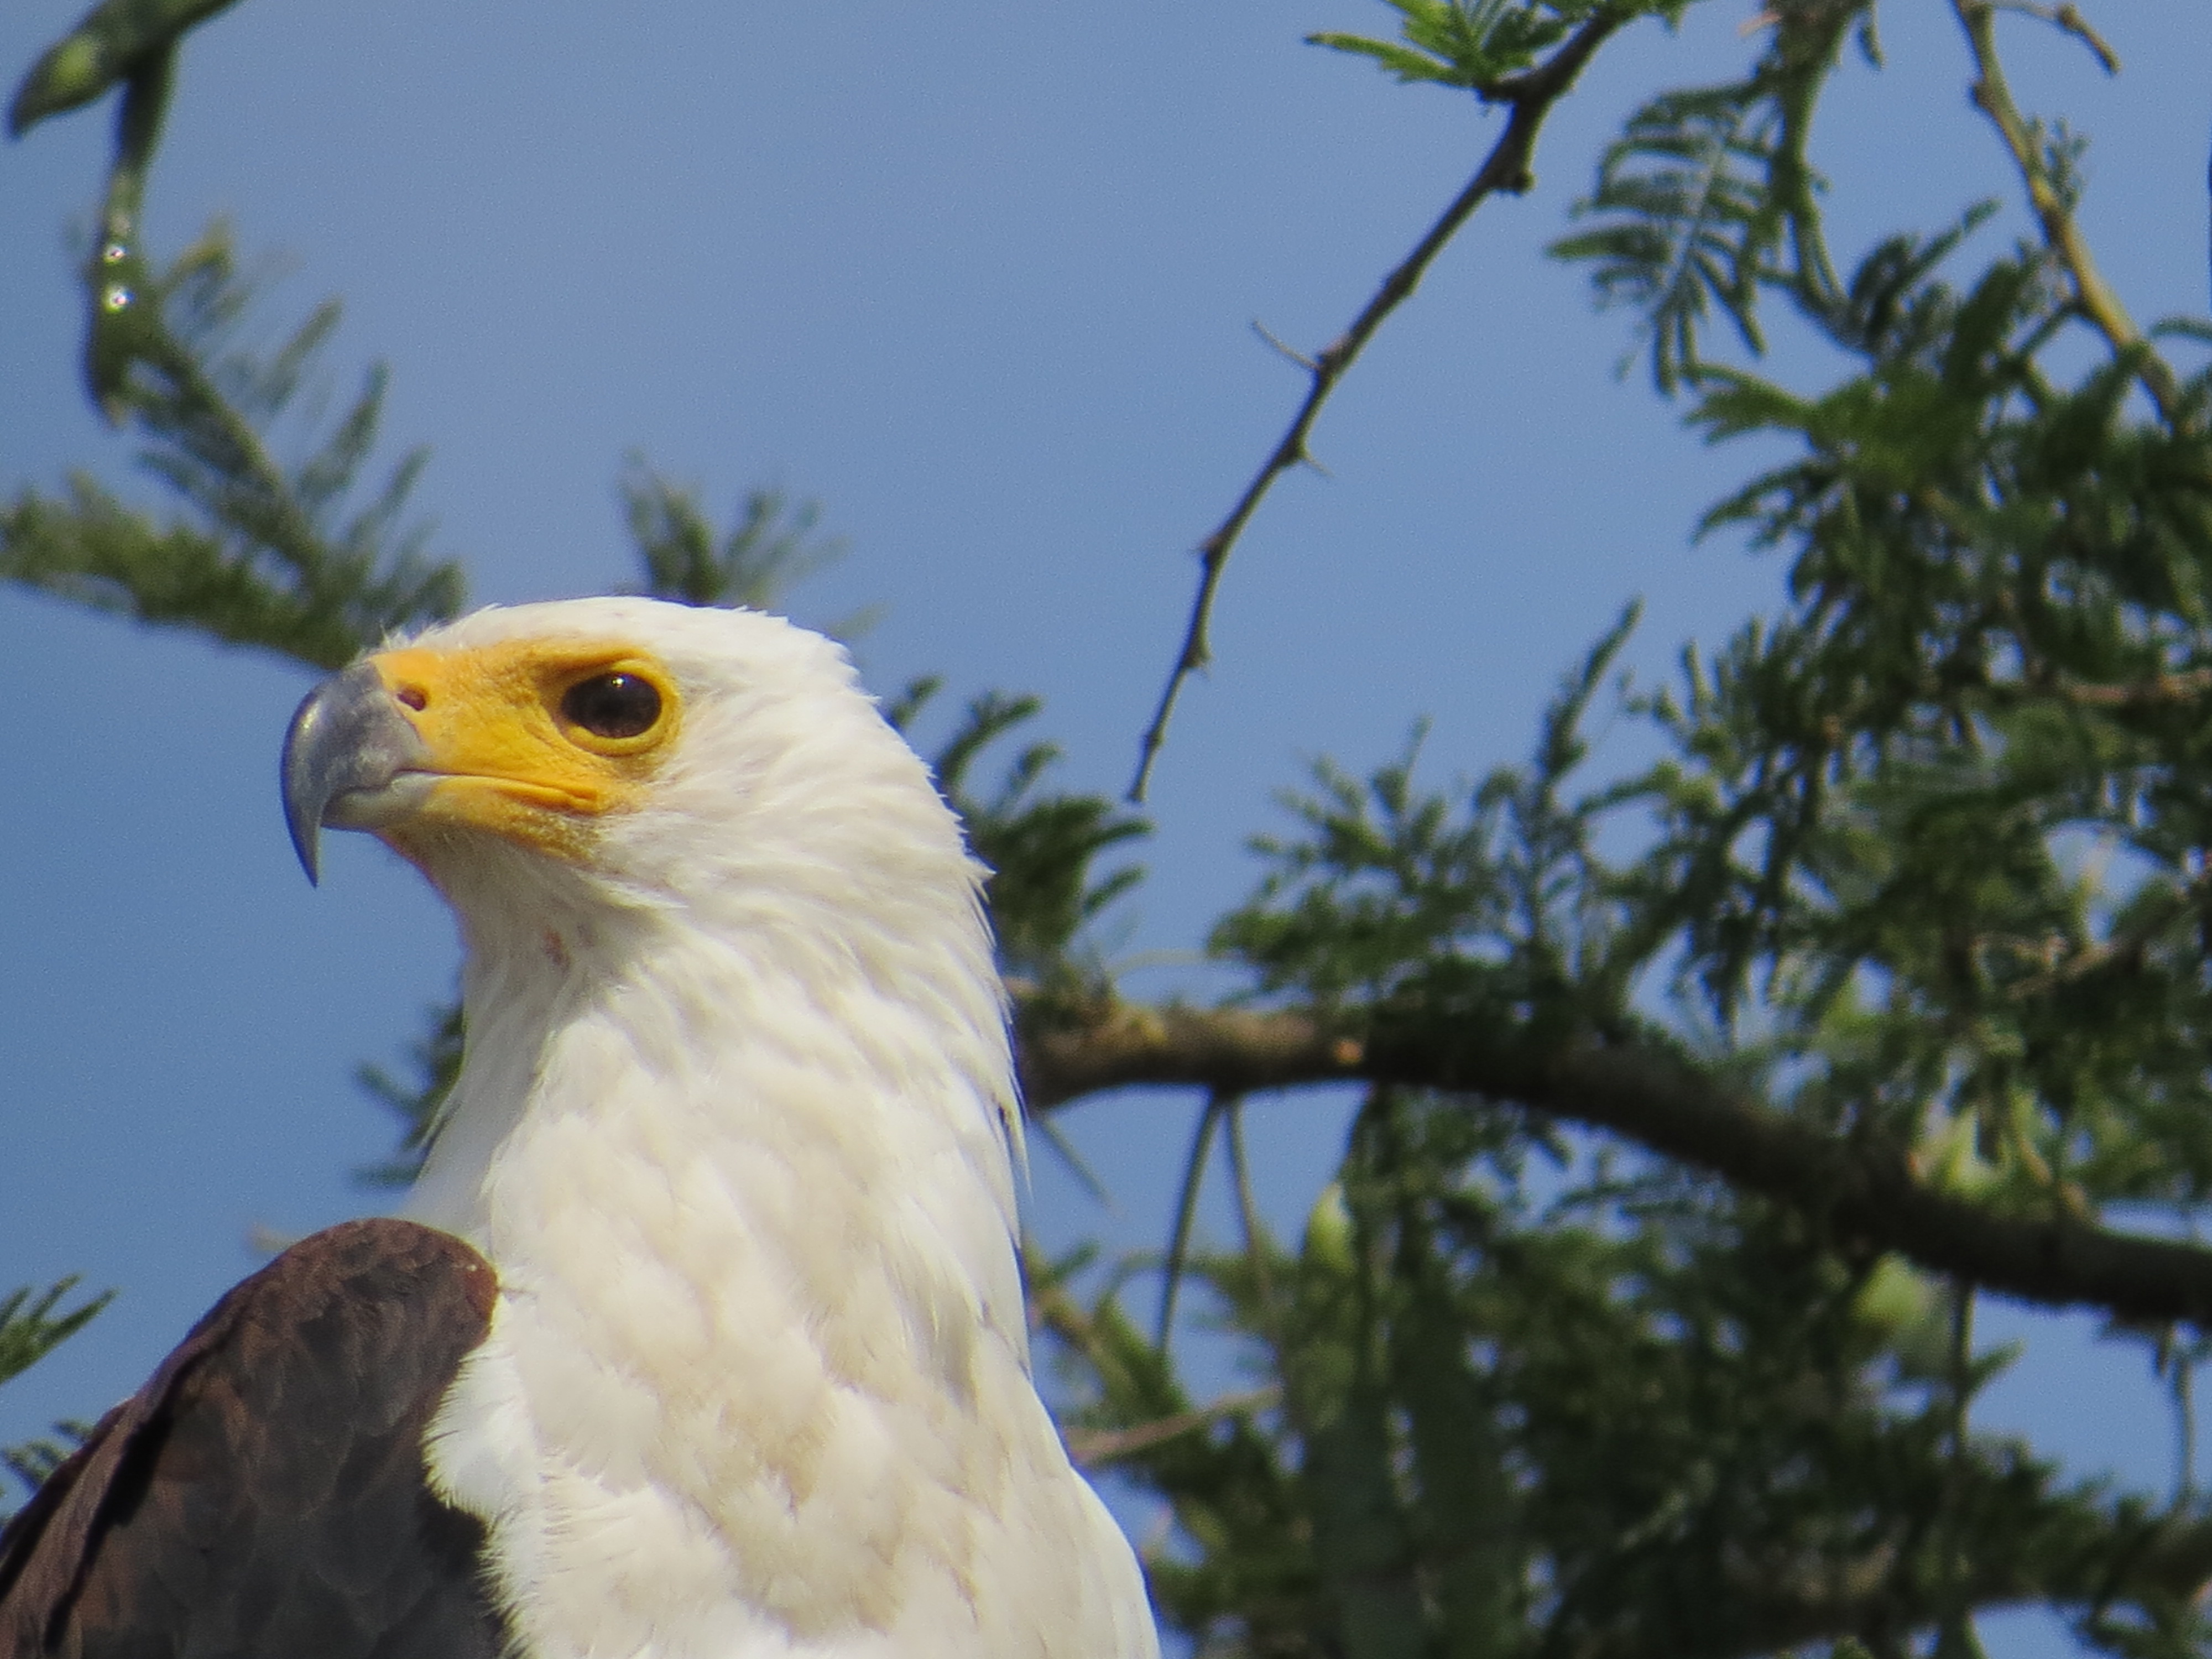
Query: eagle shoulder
(264,1493)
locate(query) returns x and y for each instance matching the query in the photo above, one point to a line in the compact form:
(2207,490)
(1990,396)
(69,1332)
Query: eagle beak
(352,760)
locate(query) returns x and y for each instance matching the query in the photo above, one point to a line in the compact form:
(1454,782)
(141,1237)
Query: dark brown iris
(612,705)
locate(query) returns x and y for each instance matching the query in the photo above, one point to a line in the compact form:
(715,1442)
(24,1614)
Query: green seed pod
(109,42)
(1328,1233)
(1896,1297)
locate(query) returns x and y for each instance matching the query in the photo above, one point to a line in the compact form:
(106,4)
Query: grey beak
(350,738)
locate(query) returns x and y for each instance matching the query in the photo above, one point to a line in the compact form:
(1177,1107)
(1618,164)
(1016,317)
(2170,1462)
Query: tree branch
(1993,97)
(1505,169)
(2186,685)
(1778,1612)
(1862,1188)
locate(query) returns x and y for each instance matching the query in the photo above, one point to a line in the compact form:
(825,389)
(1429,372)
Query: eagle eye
(612,705)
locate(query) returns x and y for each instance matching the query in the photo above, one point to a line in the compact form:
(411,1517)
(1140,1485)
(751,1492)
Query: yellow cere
(513,763)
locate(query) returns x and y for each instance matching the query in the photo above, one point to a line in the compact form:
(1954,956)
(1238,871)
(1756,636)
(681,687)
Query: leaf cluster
(1528,1406)
(1471,44)
(32,1325)
(1389,879)
(1709,198)
(770,549)
(1946,818)
(1921,866)
(282,557)
(1039,843)
(1483,45)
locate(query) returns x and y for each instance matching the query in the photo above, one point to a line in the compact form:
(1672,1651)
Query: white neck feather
(840,1087)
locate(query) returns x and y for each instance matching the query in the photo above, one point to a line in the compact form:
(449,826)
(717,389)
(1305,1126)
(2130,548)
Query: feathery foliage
(32,1326)
(1039,844)
(1920,869)
(1473,43)
(1708,198)
(280,557)
(770,549)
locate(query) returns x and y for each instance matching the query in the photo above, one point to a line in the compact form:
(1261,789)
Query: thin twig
(2060,233)
(2070,20)
(2178,1357)
(1090,1448)
(2126,947)
(1289,351)
(1194,1174)
(1505,169)
(1257,1245)
(1077,1165)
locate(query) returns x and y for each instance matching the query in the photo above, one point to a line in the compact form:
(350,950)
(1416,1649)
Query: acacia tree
(1638,1318)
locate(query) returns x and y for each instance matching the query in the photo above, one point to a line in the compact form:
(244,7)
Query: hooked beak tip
(307,842)
(349,734)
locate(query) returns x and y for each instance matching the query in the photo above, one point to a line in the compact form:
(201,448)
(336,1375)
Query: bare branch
(1862,1188)
(1505,169)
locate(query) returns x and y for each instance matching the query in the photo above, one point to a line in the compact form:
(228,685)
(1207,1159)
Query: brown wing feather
(263,1496)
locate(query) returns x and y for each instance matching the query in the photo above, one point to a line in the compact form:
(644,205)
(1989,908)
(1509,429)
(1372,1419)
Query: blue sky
(978,277)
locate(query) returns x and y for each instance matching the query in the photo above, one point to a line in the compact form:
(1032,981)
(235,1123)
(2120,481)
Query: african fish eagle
(701,1335)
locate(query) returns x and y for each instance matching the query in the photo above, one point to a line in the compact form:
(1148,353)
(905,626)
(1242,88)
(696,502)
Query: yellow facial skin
(507,758)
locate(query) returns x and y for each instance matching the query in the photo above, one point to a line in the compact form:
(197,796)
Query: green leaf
(1408,65)
(109,43)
